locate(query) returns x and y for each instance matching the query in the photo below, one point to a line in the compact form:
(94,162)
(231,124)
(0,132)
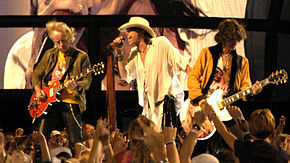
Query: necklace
(142,51)
(227,61)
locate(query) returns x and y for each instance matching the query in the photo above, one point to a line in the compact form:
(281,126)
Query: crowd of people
(156,135)
(259,141)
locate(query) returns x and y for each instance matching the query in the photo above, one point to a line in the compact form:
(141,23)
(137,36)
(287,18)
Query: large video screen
(22,47)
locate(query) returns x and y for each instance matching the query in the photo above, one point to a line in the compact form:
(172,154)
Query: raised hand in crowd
(284,142)
(241,127)
(119,142)
(103,133)
(169,135)
(95,154)
(190,140)
(154,141)
(199,117)
(39,138)
(235,112)
(275,139)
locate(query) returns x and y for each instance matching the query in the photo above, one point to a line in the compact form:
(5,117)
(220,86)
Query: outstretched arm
(40,138)
(220,126)
(169,134)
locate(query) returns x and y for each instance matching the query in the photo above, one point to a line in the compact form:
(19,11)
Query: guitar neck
(229,100)
(62,85)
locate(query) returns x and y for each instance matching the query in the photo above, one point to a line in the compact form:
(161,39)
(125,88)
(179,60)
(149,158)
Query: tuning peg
(57,101)
(45,112)
(49,104)
(58,93)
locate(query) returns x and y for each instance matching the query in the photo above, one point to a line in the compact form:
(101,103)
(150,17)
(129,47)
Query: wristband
(164,161)
(169,142)
(195,126)
(119,57)
(195,131)
(106,147)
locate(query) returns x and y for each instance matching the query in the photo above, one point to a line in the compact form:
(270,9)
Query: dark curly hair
(230,30)
(142,33)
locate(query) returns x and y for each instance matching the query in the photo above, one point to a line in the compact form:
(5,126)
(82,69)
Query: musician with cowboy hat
(154,63)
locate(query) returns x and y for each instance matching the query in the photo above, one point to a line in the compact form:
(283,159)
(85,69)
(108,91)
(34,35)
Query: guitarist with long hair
(220,67)
(61,64)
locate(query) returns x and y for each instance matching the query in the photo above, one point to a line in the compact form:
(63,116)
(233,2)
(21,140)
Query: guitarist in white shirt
(60,64)
(220,67)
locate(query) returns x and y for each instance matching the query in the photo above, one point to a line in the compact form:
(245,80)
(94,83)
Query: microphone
(113,44)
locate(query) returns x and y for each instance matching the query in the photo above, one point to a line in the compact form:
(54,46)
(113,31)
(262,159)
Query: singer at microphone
(117,43)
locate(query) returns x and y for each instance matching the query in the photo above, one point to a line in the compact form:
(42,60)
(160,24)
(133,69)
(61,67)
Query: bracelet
(169,142)
(195,126)
(164,161)
(119,57)
(246,133)
(195,131)
(106,147)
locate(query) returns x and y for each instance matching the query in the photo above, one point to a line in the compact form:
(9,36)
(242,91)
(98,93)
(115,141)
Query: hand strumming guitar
(40,93)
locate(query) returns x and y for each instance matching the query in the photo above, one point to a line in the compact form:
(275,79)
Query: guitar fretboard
(229,100)
(97,69)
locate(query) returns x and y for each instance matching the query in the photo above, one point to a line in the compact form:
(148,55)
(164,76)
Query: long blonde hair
(140,152)
(61,27)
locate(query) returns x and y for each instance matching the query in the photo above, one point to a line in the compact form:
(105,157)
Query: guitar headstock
(278,77)
(98,68)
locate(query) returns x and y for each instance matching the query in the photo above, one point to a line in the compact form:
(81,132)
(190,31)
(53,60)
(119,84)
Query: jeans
(62,111)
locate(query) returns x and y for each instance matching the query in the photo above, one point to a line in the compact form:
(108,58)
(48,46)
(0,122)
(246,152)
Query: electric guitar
(219,105)
(37,107)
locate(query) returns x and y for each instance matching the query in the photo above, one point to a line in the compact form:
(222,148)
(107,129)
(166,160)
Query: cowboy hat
(137,22)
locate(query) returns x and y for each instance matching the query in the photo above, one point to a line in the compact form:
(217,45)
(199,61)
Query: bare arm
(169,134)
(220,126)
(2,150)
(188,147)
(238,117)
(45,155)
(190,140)
(119,56)
(154,141)
(104,137)
(122,70)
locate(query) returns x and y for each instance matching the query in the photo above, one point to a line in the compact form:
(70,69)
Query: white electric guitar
(219,105)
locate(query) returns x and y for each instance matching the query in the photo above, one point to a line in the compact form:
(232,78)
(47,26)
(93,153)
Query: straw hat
(63,151)
(137,22)
(54,133)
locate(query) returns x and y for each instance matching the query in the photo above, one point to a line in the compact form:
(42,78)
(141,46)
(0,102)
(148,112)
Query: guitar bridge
(220,105)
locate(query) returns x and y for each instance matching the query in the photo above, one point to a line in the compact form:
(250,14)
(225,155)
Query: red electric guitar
(219,105)
(36,107)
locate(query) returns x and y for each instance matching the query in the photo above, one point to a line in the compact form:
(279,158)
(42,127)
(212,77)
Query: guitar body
(219,105)
(215,101)
(207,127)
(38,107)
